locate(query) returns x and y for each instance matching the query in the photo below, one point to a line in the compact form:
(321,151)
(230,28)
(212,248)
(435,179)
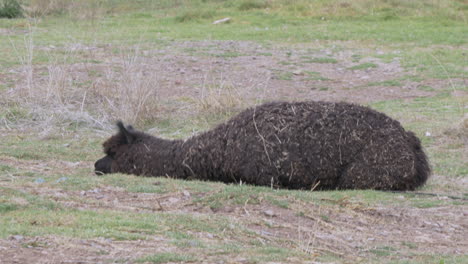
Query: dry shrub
(460,130)
(38,8)
(220,98)
(51,95)
(61,92)
(130,91)
(84,9)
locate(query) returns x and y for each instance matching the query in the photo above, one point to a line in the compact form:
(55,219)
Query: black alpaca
(299,145)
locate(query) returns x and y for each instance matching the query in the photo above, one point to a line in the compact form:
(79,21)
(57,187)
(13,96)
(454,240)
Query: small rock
(428,134)
(269,213)
(400,197)
(364,77)
(298,72)
(224,20)
(186,193)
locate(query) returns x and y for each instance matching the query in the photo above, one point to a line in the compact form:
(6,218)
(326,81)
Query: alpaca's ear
(129,137)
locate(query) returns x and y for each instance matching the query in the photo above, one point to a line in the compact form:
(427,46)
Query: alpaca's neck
(159,157)
(176,158)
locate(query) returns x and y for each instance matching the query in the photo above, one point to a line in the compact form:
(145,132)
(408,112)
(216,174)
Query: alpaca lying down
(300,145)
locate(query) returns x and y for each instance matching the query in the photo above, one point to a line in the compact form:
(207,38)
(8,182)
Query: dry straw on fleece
(300,145)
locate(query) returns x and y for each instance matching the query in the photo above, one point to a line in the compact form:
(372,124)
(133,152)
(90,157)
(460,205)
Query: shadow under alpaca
(300,145)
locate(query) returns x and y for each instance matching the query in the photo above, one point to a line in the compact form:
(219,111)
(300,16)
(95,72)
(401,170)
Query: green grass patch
(195,15)
(189,243)
(315,76)
(320,60)
(6,207)
(441,111)
(426,88)
(356,58)
(385,83)
(387,57)
(6,168)
(272,253)
(53,148)
(232,195)
(283,75)
(426,258)
(282,203)
(13,113)
(436,62)
(253,4)
(413,78)
(167,257)
(363,66)
(383,251)
(38,221)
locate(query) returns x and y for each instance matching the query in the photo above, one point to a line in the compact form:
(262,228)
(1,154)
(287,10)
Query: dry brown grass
(84,9)
(222,98)
(459,130)
(129,91)
(60,92)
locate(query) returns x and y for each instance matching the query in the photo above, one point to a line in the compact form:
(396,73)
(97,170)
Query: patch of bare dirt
(273,73)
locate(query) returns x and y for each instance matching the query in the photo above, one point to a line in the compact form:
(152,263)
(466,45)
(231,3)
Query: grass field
(69,69)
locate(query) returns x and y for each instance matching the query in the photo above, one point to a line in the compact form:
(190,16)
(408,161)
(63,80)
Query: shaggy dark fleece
(299,145)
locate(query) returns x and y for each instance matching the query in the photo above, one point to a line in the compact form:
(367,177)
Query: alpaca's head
(116,148)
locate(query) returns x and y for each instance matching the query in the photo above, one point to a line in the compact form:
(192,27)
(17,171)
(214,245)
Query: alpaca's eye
(110,154)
